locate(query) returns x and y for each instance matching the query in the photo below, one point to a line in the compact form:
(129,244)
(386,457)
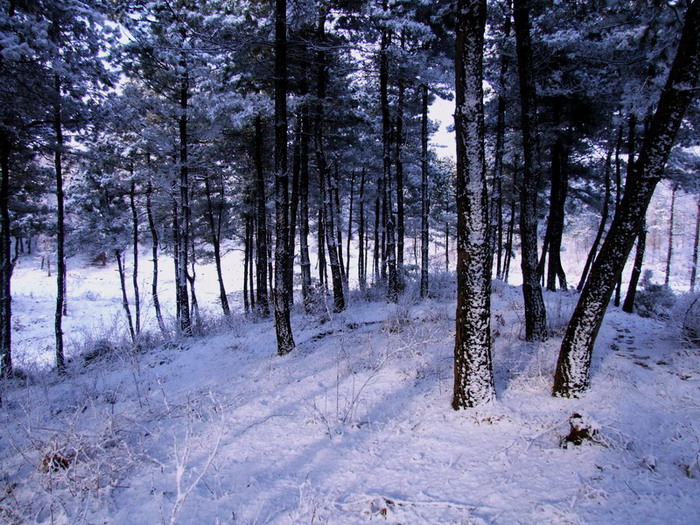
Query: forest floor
(353,426)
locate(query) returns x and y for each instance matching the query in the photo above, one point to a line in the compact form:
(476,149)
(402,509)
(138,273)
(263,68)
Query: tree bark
(183,212)
(5,262)
(473,384)
(628,305)
(154,252)
(535,313)
(362,254)
(283,327)
(560,187)
(572,376)
(261,248)
(669,253)
(601,227)
(215,231)
(60,229)
(425,197)
(347,251)
(305,132)
(135,272)
(125,298)
(696,242)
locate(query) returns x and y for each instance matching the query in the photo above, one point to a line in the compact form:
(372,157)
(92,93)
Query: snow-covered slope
(355,426)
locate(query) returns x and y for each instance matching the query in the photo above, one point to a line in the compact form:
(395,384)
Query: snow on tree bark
(283,327)
(572,376)
(535,313)
(473,374)
(5,263)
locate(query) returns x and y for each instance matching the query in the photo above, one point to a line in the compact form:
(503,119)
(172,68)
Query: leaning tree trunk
(573,367)
(628,305)
(283,327)
(473,384)
(425,202)
(601,227)
(535,313)
(696,242)
(215,232)
(631,145)
(60,230)
(125,298)
(5,263)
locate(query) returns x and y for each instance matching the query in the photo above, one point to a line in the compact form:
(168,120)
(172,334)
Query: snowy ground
(354,426)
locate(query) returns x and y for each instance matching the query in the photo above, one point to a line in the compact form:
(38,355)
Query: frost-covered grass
(353,426)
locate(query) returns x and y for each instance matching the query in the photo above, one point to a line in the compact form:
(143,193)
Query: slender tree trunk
(388,212)
(560,187)
(535,313)
(447,241)
(125,298)
(305,260)
(473,384)
(294,208)
(215,231)
(669,253)
(60,229)
(135,272)
(185,325)
(601,226)
(696,242)
(251,260)
(334,183)
(326,184)
(322,270)
(500,138)
(425,197)
(261,249)
(362,254)
(400,219)
(154,251)
(573,367)
(5,262)
(246,264)
(377,242)
(283,327)
(628,305)
(347,251)
(631,146)
(510,234)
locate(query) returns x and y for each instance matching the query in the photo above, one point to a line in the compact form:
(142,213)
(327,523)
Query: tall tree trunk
(347,251)
(560,187)
(135,272)
(425,197)
(388,212)
(573,367)
(125,298)
(215,232)
(261,249)
(322,270)
(334,183)
(510,233)
(400,219)
(535,313)
(500,138)
(669,253)
(283,327)
(154,252)
(362,255)
(305,260)
(696,242)
(601,227)
(377,243)
(294,209)
(631,146)
(60,229)
(628,305)
(325,182)
(5,262)
(185,324)
(246,265)
(473,383)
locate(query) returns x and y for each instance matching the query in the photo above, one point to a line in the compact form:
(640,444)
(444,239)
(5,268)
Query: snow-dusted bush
(686,317)
(654,300)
